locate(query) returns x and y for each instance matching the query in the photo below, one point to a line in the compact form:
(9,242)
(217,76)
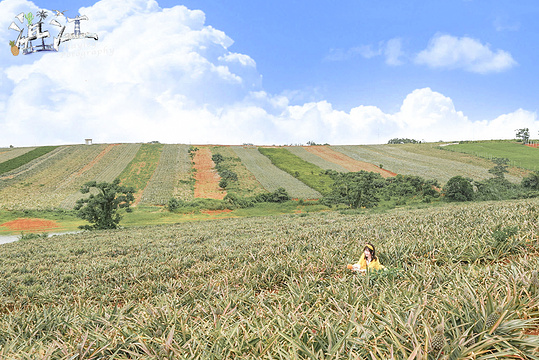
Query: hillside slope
(53,180)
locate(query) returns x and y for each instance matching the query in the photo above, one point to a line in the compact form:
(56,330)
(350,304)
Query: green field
(308,173)
(519,155)
(276,287)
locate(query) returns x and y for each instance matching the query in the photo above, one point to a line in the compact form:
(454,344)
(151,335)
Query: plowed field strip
(347,162)
(206,179)
(271,177)
(305,154)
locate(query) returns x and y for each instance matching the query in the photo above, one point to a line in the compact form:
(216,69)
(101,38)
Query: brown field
(345,161)
(206,179)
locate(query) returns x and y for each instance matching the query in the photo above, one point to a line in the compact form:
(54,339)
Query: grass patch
(310,174)
(518,154)
(23,159)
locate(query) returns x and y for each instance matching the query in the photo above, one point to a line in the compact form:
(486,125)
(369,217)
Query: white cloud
(163,74)
(393,52)
(450,52)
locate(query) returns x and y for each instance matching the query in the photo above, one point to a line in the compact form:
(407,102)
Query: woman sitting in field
(368,260)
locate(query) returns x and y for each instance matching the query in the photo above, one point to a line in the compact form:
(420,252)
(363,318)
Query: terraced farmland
(401,160)
(272,177)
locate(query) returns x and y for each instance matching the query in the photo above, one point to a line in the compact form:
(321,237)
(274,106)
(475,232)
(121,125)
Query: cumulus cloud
(164,74)
(450,52)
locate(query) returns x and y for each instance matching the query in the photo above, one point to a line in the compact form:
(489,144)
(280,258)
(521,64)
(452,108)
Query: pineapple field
(461,283)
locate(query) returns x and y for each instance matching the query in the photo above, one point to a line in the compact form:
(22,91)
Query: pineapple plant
(438,340)
(14,48)
(492,319)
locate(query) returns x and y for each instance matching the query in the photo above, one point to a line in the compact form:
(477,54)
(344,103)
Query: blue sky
(206,71)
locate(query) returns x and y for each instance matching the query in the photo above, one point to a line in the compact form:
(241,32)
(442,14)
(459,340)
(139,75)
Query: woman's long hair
(371,249)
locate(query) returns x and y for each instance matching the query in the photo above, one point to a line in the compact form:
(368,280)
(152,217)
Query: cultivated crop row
(8,154)
(106,169)
(49,187)
(305,154)
(308,173)
(272,177)
(401,161)
(164,180)
(347,162)
(278,288)
(247,184)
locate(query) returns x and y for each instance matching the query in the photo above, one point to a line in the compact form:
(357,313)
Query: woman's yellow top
(373,265)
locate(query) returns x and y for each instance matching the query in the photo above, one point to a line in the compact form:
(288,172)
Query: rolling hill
(51,179)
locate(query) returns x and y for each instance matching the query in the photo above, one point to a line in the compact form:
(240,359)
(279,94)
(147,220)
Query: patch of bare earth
(30,225)
(347,162)
(207,178)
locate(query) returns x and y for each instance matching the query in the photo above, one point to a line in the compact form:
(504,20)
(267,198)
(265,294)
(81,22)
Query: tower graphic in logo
(35,33)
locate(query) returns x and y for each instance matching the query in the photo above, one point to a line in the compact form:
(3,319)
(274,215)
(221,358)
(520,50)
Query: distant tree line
(403,141)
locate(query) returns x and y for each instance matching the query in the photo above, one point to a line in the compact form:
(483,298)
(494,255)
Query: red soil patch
(31,224)
(206,179)
(347,162)
(533,145)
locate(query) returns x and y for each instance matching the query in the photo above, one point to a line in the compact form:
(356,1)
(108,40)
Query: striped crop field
(431,164)
(328,154)
(305,153)
(106,169)
(166,177)
(206,177)
(247,184)
(278,288)
(270,176)
(26,158)
(139,171)
(310,174)
(8,154)
(49,187)
(519,155)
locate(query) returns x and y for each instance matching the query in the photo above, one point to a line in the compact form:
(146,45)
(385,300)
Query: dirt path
(206,179)
(345,161)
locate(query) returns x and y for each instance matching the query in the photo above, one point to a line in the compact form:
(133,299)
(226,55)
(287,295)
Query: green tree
(458,189)
(356,189)
(501,167)
(101,209)
(217,159)
(523,134)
